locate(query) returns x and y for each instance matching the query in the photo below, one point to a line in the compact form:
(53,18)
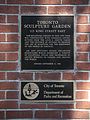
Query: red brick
(86,28)
(12,37)
(19,114)
(48,76)
(48,2)
(8,104)
(2,75)
(2,2)
(82,38)
(8,85)
(12,19)
(8,47)
(82,20)
(2,37)
(82,2)
(19,1)
(75,114)
(2,95)
(2,56)
(81,95)
(82,76)
(83,47)
(9,9)
(26,76)
(8,66)
(12,75)
(83,9)
(68,76)
(83,85)
(12,95)
(32,106)
(12,56)
(75,2)
(83,105)
(68,1)
(33,10)
(2,19)
(48,114)
(60,106)
(2,115)
(8,28)
(83,66)
(82,57)
(60,10)
(76,76)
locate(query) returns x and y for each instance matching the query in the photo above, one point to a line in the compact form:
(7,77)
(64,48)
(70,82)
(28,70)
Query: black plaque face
(47,42)
(47,91)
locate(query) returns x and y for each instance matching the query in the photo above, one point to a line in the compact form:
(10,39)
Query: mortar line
(34,2)
(61,1)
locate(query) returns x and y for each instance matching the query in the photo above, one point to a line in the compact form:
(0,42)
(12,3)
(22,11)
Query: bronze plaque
(47,42)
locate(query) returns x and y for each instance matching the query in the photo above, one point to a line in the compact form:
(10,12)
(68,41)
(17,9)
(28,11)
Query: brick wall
(11,106)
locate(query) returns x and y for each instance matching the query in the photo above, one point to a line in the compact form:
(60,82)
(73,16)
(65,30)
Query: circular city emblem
(31,91)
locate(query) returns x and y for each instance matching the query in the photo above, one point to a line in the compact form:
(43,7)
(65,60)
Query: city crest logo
(31,91)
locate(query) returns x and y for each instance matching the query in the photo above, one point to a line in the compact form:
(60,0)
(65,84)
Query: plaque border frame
(74,38)
(48,101)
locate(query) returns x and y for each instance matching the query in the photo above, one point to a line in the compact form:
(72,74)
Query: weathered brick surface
(46,2)
(60,106)
(82,38)
(48,114)
(83,47)
(33,10)
(82,95)
(2,115)
(60,10)
(12,19)
(12,75)
(86,28)
(2,95)
(9,9)
(2,18)
(48,76)
(19,1)
(12,37)
(12,56)
(2,75)
(2,56)
(2,2)
(82,57)
(2,37)
(76,114)
(83,85)
(12,95)
(8,85)
(19,114)
(8,47)
(83,10)
(26,76)
(75,76)
(75,2)
(8,28)
(6,66)
(82,20)
(83,105)
(8,104)
(33,106)
(21,76)
(83,66)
